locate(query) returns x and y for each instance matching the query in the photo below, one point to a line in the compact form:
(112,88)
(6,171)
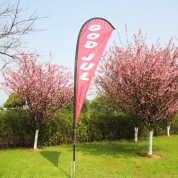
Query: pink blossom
(140,80)
(46,87)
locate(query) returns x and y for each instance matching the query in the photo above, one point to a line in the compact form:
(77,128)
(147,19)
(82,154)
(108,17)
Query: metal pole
(74,143)
(74,108)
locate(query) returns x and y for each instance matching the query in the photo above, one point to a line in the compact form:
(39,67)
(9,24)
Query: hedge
(16,129)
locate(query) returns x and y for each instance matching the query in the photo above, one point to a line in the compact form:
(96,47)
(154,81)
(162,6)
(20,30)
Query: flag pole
(73,165)
(74,117)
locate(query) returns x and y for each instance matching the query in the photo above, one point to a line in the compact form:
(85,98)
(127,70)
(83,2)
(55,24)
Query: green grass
(118,159)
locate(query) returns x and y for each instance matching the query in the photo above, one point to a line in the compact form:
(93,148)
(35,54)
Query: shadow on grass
(116,149)
(67,175)
(52,156)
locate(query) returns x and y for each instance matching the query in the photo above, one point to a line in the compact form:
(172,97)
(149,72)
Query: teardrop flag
(92,41)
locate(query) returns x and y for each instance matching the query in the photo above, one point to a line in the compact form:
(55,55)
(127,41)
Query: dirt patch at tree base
(32,149)
(150,156)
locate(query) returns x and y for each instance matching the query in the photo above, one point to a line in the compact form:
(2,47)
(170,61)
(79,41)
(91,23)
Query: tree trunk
(150,142)
(168,129)
(150,147)
(36,139)
(136,134)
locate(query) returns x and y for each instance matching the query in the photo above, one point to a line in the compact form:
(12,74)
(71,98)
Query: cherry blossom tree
(45,87)
(141,80)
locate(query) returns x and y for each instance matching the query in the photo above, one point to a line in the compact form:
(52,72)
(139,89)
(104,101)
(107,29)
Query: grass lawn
(118,159)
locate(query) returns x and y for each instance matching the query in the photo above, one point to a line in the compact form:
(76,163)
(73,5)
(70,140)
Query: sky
(156,19)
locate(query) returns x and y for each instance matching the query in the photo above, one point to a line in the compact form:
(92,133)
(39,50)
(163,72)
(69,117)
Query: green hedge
(16,129)
(104,127)
(57,131)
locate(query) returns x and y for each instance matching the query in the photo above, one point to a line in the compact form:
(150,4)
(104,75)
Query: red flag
(92,41)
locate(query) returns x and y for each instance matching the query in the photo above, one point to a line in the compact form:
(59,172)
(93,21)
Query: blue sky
(156,18)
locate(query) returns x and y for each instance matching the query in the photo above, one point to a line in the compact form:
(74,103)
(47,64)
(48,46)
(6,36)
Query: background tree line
(98,121)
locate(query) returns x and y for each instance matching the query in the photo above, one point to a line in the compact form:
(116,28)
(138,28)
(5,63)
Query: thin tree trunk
(150,147)
(36,139)
(136,134)
(150,143)
(168,129)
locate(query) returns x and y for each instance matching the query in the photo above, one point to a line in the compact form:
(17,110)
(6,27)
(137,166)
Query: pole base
(72,170)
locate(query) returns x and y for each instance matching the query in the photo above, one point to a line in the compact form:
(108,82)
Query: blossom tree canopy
(45,87)
(141,80)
